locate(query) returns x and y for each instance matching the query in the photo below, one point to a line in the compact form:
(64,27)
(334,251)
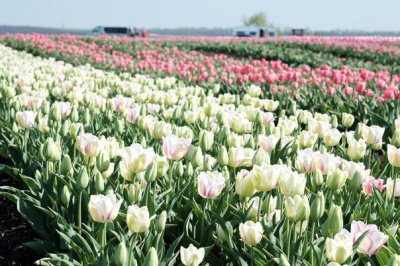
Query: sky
(313,14)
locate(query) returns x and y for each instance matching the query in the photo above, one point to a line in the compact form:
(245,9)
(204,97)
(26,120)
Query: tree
(258,19)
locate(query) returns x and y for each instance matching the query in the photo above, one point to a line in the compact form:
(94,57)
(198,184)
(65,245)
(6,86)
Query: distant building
(254,31)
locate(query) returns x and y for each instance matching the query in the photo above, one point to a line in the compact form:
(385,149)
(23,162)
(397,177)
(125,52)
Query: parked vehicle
(115,31)
(254,31)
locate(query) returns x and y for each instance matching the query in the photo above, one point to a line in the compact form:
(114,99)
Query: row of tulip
(169,173)
(359,92)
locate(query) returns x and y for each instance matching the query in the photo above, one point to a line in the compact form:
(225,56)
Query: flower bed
(131,170)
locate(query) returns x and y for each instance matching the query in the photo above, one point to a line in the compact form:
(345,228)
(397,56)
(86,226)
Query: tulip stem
(103,238)
(80,211)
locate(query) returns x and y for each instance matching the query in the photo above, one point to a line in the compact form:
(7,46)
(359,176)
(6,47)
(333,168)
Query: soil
(14,232)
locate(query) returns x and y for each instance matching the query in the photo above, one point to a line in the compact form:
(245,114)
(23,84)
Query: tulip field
(203,151)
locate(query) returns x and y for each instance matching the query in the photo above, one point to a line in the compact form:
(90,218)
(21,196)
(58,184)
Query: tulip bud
(120,126)
(151,172)
(75,130)
(66,165)
(221,232)
(197,158)
(261,157)
(177,114)
(177,169)
(222,156)
(98,182)
(355,182)
(162,166)
(251,233)
(336,179)
(74,115)
(15,128)
(347,120)
(356,149)
(159,225)
(206,139)
(83,179)
(250,143)
(134,193)
(120,255)
(394,260)
(103,161)
(396,138)
(188,170)
(151,258)
(65,128)
(51,150)
(318,206)
(334,222)
(334,121)
(65,195)
(55,112)
(109,171)
(293,107)
(317,178)
(86,117)
(358,132)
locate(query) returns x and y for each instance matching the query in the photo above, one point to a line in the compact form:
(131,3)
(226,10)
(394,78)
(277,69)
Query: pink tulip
(331,91)
(369,93)
(348,91)
(175,148)
(65,108)
(360,87)
(367,185)
(210,184)
(131,114)
(372,241)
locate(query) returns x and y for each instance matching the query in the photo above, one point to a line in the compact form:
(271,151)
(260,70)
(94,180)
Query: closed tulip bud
(134,193)
(394,260)
(197,158)
(120,255)
(15,128)
(297,208)
(206,139)
(177,114)
(317,178)
(162,165)
(334,222)
(74,115)
(333,121)
(65,128)
(138,218)
(355,182)
(358,132)
(250,143)
(395,141)
(393,155)
(336,179)
(151,258)
(66,165)
(188,170)
(120,126)
(251,233)
(98,182)
(222,157)
(75,130)
(65,195)
(347,120)
(86,117)
(51,150)
(151,172)
(261,157)
(332,137)
(109,171)
(159,224)
(221,233)
(293,107)
(177,169)
(103,161)
(55,112)
(318,206)
(83,179)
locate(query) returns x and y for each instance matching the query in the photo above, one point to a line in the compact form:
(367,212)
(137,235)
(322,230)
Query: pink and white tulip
(210,184)
(372,242)
(175,148)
